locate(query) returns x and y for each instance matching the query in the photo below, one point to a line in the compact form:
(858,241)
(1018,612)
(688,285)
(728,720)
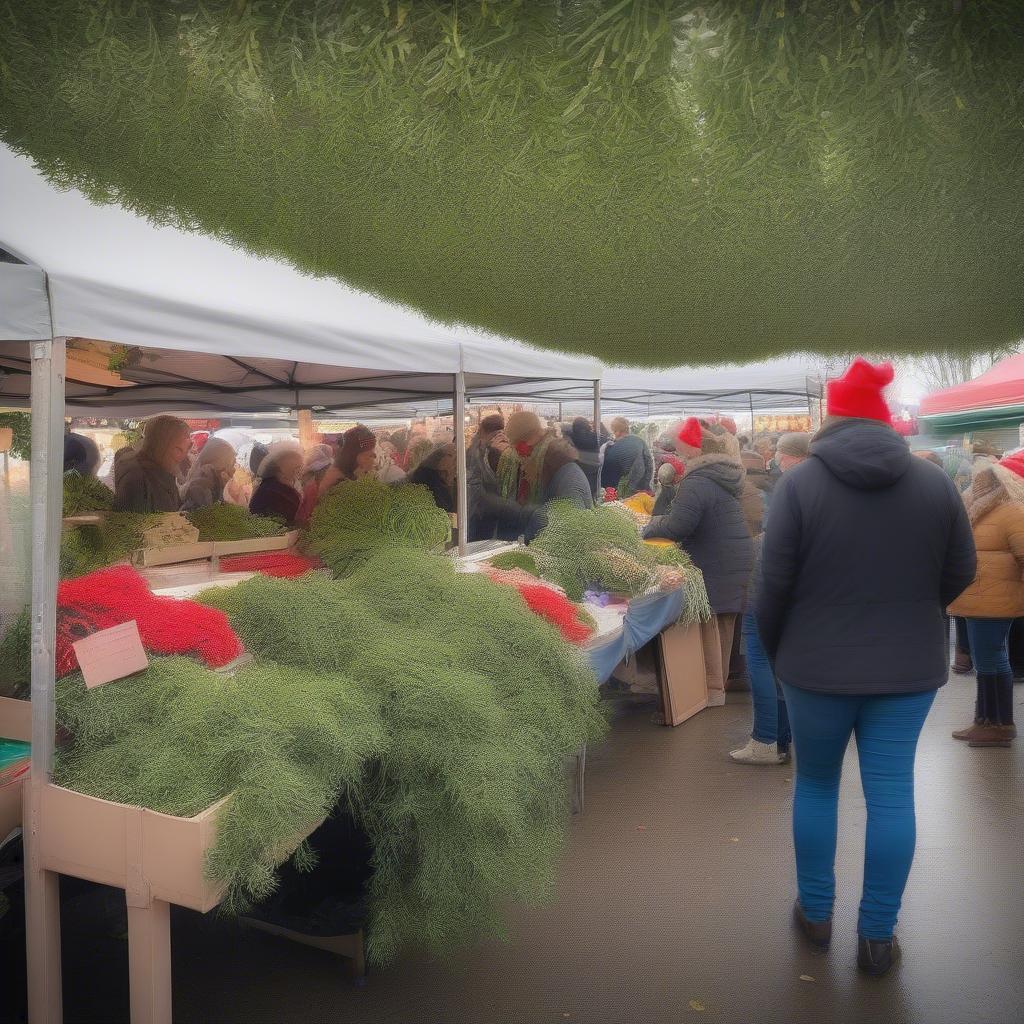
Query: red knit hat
(1014,462)
(859,392)
(690,433)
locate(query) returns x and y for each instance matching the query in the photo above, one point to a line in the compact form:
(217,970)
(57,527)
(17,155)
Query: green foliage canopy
(652,181)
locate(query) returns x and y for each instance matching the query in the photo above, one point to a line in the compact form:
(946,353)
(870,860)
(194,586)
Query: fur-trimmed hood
(992,486)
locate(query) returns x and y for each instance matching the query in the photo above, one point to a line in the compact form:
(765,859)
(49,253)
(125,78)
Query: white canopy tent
(103,272)
(217,330)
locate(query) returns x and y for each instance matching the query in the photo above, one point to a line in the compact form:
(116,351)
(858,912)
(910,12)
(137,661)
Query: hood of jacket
(866,454)
(722,469)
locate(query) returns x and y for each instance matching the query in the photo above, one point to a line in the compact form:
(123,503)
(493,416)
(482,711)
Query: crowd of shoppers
(843,558)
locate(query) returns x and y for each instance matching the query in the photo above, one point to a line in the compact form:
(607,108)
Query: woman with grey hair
(278,496)
(204,485)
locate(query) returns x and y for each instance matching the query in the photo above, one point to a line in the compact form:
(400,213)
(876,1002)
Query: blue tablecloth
(645,618)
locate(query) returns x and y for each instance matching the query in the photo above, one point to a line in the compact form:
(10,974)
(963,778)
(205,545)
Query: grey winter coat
(706,520)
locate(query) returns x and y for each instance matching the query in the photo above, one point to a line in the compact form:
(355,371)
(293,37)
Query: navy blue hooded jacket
(864,549)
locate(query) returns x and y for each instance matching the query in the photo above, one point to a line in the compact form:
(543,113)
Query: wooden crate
(151,856)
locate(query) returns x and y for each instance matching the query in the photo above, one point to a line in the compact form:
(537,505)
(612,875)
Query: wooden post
(149,962)
(307,435)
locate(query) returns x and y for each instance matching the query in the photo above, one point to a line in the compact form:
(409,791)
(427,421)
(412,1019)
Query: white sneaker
(716,698)
(756,752)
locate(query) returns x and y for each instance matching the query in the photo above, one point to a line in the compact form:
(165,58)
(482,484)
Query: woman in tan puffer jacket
(995,506)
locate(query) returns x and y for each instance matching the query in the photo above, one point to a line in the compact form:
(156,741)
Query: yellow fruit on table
(641,503)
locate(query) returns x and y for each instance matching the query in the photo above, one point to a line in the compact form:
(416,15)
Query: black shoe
(817,933)
(876,956)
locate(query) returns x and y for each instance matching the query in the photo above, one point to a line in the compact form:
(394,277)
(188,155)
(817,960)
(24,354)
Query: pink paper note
(111,654)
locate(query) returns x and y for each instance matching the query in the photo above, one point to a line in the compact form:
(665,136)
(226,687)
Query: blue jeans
(887,729)
(989,645)
(771,722)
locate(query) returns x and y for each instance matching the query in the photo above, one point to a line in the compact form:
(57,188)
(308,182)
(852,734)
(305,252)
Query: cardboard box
(684,688)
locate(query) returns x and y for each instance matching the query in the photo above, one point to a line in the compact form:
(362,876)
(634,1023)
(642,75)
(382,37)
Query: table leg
(149,962)
(42,922)
(581,777)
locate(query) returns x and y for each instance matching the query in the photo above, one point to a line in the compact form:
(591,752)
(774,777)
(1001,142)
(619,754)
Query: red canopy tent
(994,399)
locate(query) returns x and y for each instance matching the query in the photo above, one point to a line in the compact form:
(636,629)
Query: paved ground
(673,906)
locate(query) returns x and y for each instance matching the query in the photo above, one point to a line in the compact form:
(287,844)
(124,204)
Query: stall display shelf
(15,724)
(147,557)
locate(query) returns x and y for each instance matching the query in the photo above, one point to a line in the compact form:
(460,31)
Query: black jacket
(490,515)
(429,477)
(276,500)
(864,548)
(706,520)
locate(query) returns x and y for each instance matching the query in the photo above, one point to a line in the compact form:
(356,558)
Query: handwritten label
(111,654)
(172,530)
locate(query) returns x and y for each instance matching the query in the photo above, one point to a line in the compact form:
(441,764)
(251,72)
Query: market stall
(196,312)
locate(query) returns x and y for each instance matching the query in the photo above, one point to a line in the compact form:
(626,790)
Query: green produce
(16,657)
(601,548)
(285,742)
(93,546)
(356,518)
(85,494)
(223,521)
(651,181)
(482,703)
(516,560)
(21,429)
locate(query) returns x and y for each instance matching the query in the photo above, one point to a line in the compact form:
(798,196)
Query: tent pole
(47,472)
(750,398)
(462,504)
(42,893)
(597,410)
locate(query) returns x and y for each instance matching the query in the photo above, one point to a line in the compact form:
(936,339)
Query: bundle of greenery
(601,549)
(355,519)
(432,705)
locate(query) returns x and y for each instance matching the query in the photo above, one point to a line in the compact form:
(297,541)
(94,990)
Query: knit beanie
(1014,462)
(795,444)
(709,439)
(858,393)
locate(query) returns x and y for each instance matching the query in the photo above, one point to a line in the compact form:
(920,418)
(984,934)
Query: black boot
(876,956)
(1003,693)
(817,933)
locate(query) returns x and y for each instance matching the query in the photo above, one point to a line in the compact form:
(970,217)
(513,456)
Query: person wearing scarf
(318,461)
(538,468)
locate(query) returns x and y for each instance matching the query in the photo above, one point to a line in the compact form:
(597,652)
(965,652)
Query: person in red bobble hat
(706,520)
(995,507)
(864,549)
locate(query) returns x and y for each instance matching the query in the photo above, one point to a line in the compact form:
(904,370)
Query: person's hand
(500,441)
(671,579)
